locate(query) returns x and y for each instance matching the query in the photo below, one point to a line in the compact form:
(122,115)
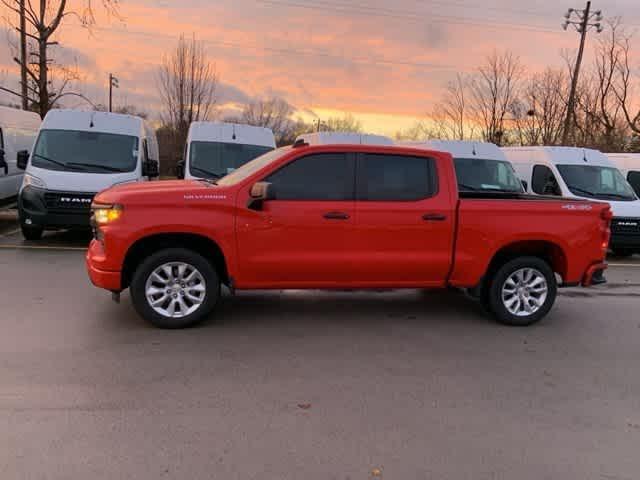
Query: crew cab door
(304,236)
(404,221)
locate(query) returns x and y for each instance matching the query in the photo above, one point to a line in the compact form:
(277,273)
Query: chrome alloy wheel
(175,289)
(524,292)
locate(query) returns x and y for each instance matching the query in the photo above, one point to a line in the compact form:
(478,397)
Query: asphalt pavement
(311,385)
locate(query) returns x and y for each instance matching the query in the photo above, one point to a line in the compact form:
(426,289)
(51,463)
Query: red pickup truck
(343,216)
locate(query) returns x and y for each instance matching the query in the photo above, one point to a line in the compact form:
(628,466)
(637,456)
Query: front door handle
(336,216)
(434,217)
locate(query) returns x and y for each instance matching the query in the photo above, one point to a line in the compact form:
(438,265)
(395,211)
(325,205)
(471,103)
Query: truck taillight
(606,215)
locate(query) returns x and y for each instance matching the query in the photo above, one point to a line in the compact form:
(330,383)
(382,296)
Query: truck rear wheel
(522,291)
(175,288)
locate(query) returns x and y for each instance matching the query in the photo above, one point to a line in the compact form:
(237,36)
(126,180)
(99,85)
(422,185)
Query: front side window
(323,176)
(383,177)
(634,180)
(592,181)
(477,174)
(543,181)
(85,152)
(217,159)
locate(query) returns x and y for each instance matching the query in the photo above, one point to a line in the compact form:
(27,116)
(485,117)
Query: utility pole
(113,82)
(23,56)
(582,21)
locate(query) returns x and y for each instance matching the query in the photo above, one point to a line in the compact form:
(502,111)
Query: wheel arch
(549,251)
(145,246)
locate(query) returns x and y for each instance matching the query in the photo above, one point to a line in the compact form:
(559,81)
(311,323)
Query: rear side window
(1,139)
(543,181)
(324,176)
(392,178)
(634,180)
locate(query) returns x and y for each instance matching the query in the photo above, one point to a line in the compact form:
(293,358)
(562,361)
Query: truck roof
(93,121)
(343,138)
(15,117)
(461,148)
(558,155)
(225,132)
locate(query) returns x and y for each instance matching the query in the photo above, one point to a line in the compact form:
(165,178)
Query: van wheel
(522,291)
(31,232)
(175,288)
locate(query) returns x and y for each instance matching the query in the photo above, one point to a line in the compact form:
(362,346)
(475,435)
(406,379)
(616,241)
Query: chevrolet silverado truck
(344,217)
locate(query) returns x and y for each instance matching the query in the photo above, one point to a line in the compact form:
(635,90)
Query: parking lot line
(39,247)
(637,265)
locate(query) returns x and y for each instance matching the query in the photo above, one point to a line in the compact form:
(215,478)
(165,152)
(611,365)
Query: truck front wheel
(175,288)
(522,291)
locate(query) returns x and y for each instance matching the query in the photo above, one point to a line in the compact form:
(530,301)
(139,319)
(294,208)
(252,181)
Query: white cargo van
(480,166)
(215,149)
(77,154)
(629,165)
(582,173)
(18,130)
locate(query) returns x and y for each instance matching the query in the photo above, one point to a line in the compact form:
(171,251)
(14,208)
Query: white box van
(18,130)
(583,173)
(629,165)
(77,154)
(480,166)
(215,149)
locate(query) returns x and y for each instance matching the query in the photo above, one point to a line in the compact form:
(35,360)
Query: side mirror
(259,193)
(525,185)
(3,162)
(150,169)
(22,159)
(180,169)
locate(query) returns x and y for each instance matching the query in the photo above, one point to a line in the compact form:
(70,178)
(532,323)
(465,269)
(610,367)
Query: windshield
(79,151)
(477,175)
(253,166)
(604,183)
(215,159)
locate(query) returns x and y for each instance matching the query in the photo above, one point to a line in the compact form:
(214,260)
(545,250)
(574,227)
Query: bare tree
(187,83)
(452,112)
(539,112)
(346,123)
(47,81)
(624,87)
(493,89)
(274,113)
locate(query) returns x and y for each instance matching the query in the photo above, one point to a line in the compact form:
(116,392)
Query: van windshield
(603,183)
(85,152)
(217,159)
(478,175)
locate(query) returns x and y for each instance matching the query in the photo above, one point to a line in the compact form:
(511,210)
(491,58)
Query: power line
(317,53)
(416,16)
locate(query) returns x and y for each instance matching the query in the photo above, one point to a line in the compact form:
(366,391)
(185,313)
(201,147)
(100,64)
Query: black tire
(622,252)
(31,232)
(495,302)
(147,267)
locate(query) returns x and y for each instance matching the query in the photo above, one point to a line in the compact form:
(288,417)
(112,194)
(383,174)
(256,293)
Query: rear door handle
(336,216)
(434,217)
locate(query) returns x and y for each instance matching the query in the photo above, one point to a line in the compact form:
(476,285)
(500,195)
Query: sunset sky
(385,62)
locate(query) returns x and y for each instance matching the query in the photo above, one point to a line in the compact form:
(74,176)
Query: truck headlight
(104,214)
(30,181)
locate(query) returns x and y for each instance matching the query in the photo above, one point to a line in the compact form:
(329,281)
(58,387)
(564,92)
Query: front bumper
(95,258)
(625,233)
(52,209)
